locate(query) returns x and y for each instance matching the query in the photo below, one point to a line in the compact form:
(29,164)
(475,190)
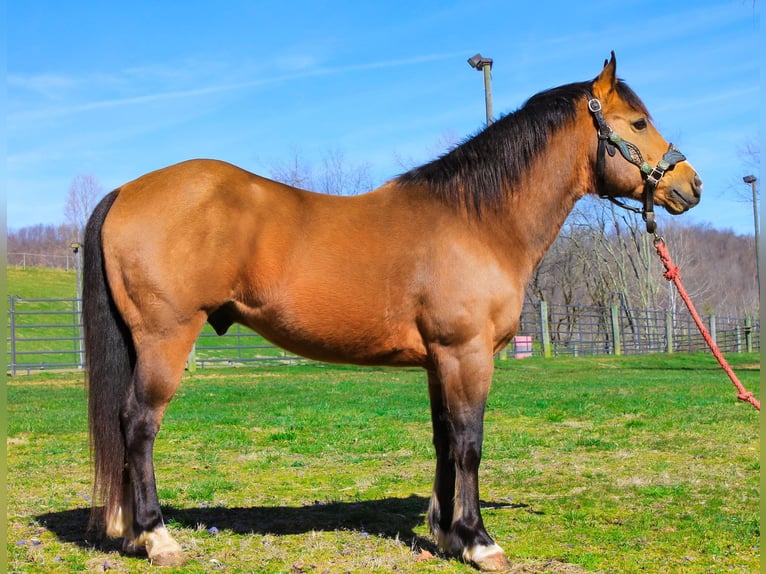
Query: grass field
(41,282)
(616,464)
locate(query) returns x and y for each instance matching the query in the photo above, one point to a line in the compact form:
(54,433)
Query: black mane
(474,173)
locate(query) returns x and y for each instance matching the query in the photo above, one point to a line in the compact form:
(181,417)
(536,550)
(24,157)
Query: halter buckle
(654,176)
(594,105)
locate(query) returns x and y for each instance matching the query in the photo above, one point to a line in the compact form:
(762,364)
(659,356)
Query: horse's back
(194,192)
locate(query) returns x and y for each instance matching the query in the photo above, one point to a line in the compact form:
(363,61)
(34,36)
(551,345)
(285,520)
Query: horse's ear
(607,79)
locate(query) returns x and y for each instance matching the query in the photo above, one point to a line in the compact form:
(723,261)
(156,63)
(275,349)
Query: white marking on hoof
(487,558)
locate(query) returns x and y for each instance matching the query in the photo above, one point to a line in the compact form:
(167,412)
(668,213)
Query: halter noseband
(610,141)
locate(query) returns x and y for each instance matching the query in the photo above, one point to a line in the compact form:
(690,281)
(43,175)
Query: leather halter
(609,141)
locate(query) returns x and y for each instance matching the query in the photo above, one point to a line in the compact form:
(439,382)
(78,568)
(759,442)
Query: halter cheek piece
(609,141)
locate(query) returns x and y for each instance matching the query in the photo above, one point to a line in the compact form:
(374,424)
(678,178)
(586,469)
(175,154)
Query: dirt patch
(549,567)
(749,367)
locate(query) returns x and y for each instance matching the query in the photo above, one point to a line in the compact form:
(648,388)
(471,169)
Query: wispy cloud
(305,68)
(48,85)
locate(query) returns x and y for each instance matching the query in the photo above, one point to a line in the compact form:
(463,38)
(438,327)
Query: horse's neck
(536,210)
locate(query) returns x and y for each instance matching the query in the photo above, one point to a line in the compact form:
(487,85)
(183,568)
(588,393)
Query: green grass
(41,282)
(618,464)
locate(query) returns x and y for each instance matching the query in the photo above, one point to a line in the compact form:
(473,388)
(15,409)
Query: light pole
(751,179)
(479,62)
(78,300)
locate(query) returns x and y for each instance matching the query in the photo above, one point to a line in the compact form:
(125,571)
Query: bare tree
(716,267)
(603,256)
(40,245)
(751,155)
(84,193)
(295,172)
(336,177)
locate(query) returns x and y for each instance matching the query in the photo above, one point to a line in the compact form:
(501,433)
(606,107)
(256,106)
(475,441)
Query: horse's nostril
(697,185)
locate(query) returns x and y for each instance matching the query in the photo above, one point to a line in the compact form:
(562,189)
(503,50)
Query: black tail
(109,360)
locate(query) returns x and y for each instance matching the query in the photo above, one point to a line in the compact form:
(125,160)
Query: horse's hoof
(161,548)
(168,559)
(488,558)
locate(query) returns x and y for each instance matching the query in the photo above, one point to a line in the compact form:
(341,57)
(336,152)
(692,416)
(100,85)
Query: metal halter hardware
(609,141)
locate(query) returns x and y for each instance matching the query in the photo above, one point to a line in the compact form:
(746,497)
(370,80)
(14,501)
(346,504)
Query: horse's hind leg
(159,367)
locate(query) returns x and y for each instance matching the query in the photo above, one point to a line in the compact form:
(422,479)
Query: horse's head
(648,168)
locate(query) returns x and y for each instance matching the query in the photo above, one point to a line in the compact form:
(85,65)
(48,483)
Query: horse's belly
(338,334)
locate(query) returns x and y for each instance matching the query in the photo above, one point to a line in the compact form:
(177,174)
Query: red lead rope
(671,274)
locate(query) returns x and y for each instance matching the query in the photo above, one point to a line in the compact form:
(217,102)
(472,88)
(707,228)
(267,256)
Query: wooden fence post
(615,312)
(191,360)
(748,334)
(669,331)
(712,328)
(544,330)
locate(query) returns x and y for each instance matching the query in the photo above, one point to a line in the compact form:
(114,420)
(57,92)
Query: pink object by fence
(522,346)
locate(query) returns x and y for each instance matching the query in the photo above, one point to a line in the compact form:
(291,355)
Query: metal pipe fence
(573,330)
(45,334)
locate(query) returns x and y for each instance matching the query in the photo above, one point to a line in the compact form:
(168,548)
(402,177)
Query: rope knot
(671,273)
(745,397)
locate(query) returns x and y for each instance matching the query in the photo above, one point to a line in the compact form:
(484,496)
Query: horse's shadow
(394,518)
(388,517)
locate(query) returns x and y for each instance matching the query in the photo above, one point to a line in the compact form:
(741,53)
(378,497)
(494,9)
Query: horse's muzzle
(684,199)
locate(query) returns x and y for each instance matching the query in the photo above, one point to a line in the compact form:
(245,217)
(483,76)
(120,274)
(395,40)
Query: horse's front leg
(458,387)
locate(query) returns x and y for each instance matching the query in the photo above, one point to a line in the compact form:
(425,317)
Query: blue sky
(117,89)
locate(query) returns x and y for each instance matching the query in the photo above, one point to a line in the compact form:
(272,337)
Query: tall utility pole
(751,179)
(479,62)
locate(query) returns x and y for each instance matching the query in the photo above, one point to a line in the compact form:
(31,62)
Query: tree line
(602,257)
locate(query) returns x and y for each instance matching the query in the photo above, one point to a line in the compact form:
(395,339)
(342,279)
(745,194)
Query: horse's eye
(639,125)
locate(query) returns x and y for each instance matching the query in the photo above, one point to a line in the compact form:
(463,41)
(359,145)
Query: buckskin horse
(427,270)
